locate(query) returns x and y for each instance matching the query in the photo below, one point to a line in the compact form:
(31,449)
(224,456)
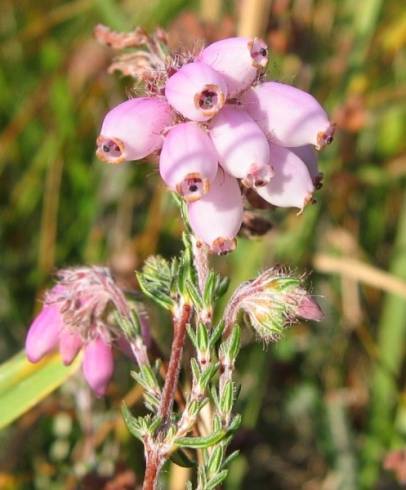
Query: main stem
(172,375)
(154,458)
(154,463)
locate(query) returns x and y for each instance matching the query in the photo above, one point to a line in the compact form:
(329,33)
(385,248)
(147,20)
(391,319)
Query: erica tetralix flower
(188,161)
(241,145)
(196,91)
(238,59)
(287,115)
(133,129)
(73,319)
(216,218)
(291,185)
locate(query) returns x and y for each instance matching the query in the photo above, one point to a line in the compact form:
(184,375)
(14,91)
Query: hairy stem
(154,463)
(172,375)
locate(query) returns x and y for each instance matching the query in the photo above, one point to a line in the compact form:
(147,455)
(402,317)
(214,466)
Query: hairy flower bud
(196,91)
(238,59)
(98,365)
(188,161)
(291,185)
(43,334)
(242,146)
(288,116)
(133,129)
(216,218)
(272,301)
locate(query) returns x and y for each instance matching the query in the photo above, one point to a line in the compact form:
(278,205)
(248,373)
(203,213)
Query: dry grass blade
(365,273)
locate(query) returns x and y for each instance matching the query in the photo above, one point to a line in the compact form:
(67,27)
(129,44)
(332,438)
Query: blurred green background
(321,408)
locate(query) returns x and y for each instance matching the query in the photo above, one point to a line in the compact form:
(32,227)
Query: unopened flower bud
(69,346)
(308,309)
(242,146)
(133,129)
(196,91)
(291,185)
(272,301)
(188,161)
(98,365)
(238,59)
(43,334)
(288,116)
(216,217)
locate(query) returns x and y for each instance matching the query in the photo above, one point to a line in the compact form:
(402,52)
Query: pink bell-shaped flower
(309,156)
(98,365)
(43,334)
(196,91)
(288,116)
(242,146)
(216,217)
(188,161)
(69,346)
(291,185)
(238,59)
(133,129)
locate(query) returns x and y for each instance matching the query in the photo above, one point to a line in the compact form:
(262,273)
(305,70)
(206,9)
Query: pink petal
(288,116)
(291,185)
(98,365)
(241,145)
(309,309)
(196,91)
(238,59)
(69,346)
(188,161)
(43,334)
(132,130)
(309,156)
(216,217)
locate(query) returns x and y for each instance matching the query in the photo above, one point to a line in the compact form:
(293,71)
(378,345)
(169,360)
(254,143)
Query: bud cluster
(74,317)
(220,128)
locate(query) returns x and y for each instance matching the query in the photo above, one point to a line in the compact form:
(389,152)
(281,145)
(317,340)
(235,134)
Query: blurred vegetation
(323,407)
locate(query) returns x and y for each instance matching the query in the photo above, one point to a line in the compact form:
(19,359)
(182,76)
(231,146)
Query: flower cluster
(221,128)
(74,317)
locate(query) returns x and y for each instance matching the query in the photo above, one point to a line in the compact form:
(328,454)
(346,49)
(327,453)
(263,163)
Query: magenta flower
(238,59)
(288,116)
(242,146)
(216,217)
(133,129)
(291,185)
(74,317)
(188,162)
(196,91)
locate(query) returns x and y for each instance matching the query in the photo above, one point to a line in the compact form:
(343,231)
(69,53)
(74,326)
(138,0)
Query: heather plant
(223,134)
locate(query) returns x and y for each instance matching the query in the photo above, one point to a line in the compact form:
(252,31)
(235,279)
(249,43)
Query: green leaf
(156,281)
(227,398)
(216,334)
(202,338)
(23,384)
(215,460)
(219,478)
(201,442)
(182,458)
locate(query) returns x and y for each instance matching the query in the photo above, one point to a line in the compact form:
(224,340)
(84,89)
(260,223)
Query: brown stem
(154,463)
(172,375)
